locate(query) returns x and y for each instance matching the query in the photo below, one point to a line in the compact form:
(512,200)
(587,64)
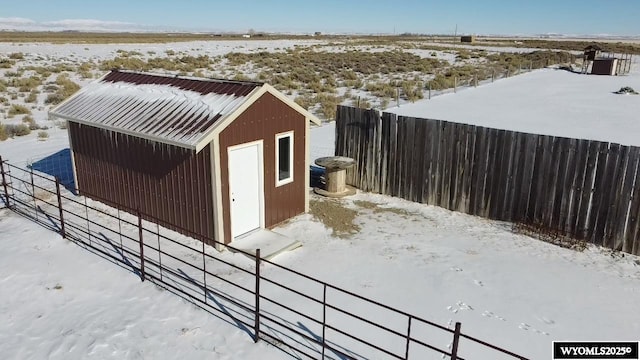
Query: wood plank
(558,192)
(393,157)
(630,237)
(420,144)
(437,191)
(614,197)
(624,199)
(491,171)
(542,175)
(516,181)
(584,213)
(528,180)
(467,175)
(384,153)
(448,148)
(577,183)
(433,138)
(407,186)
(597,195)
(479,170)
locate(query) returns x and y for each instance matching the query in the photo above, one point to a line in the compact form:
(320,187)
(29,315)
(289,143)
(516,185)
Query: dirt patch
(334,215)
(551,237)
(378,209)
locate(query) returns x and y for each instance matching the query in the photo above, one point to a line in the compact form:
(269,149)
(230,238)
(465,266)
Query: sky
(481,17)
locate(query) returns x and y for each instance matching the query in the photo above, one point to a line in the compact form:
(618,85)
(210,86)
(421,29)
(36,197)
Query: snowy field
(62,302)
(548,102)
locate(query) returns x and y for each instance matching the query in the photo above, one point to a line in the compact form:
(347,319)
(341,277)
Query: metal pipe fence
(303,316)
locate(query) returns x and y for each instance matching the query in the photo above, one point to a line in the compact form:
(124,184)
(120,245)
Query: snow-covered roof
(173,110)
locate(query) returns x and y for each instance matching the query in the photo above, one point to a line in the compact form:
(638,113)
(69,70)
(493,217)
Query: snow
(548,102)
(63,302)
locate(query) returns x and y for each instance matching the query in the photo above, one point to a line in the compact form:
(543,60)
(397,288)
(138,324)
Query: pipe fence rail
(303,316)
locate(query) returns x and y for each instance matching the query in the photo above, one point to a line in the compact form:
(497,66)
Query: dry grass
(334,215)
(376,208)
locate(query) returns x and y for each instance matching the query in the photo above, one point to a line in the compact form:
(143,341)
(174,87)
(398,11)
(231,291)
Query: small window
(284,158)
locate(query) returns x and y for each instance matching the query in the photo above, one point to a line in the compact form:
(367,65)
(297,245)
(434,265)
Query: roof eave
(184,145)
(253,96)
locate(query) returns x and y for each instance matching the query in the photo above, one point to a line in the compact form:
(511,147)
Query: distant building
(468,39)
(246,36)
(604,63)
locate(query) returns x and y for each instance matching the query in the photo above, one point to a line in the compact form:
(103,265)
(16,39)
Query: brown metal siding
(264,119)
(602,67)
(165,182)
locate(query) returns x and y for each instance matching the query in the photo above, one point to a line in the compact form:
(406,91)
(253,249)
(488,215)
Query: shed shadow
(58,165)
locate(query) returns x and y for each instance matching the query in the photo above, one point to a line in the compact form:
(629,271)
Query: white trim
(73,160)
(279,136)
(307,166)
(128,132)
(261,205)
(216,192)
(221,124)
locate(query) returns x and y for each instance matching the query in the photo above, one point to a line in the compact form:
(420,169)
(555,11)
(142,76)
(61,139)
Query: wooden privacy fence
(588,190)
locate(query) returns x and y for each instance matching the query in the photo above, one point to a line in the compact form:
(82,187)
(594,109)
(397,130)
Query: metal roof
(173,110)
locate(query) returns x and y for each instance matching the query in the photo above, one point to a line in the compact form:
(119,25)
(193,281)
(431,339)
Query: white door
(245,188)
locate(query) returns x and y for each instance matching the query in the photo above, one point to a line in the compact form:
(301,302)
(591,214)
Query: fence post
(475,80)
(86,214)
(33,193)
(324,318)
(429,83)
(160,257)
(493,75)
(455,84)
(59,196)
(456,339)
(204,269)
(4,183)
(406,351)
(142,276)
(257,313)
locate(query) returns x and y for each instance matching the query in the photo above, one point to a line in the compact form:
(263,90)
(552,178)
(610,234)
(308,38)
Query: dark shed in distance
(212,159)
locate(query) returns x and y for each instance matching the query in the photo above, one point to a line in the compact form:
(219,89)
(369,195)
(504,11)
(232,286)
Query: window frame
(289,179)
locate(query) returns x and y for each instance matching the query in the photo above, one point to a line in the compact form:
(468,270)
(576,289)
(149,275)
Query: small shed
(468,38)
(212,159)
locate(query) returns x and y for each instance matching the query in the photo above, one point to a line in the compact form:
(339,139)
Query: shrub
(17,130)
(43,135)
(304,100)
(412,90)
(3,133)
(6,63)
(16,109)
(54,99)
(29,121)
(16,56)
(32,98)
(328,105)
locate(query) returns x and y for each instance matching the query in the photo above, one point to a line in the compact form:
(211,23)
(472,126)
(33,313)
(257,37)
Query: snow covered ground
(548,102)
(63,302)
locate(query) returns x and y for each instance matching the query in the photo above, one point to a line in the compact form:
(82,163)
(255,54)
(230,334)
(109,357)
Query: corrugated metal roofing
(172,110)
